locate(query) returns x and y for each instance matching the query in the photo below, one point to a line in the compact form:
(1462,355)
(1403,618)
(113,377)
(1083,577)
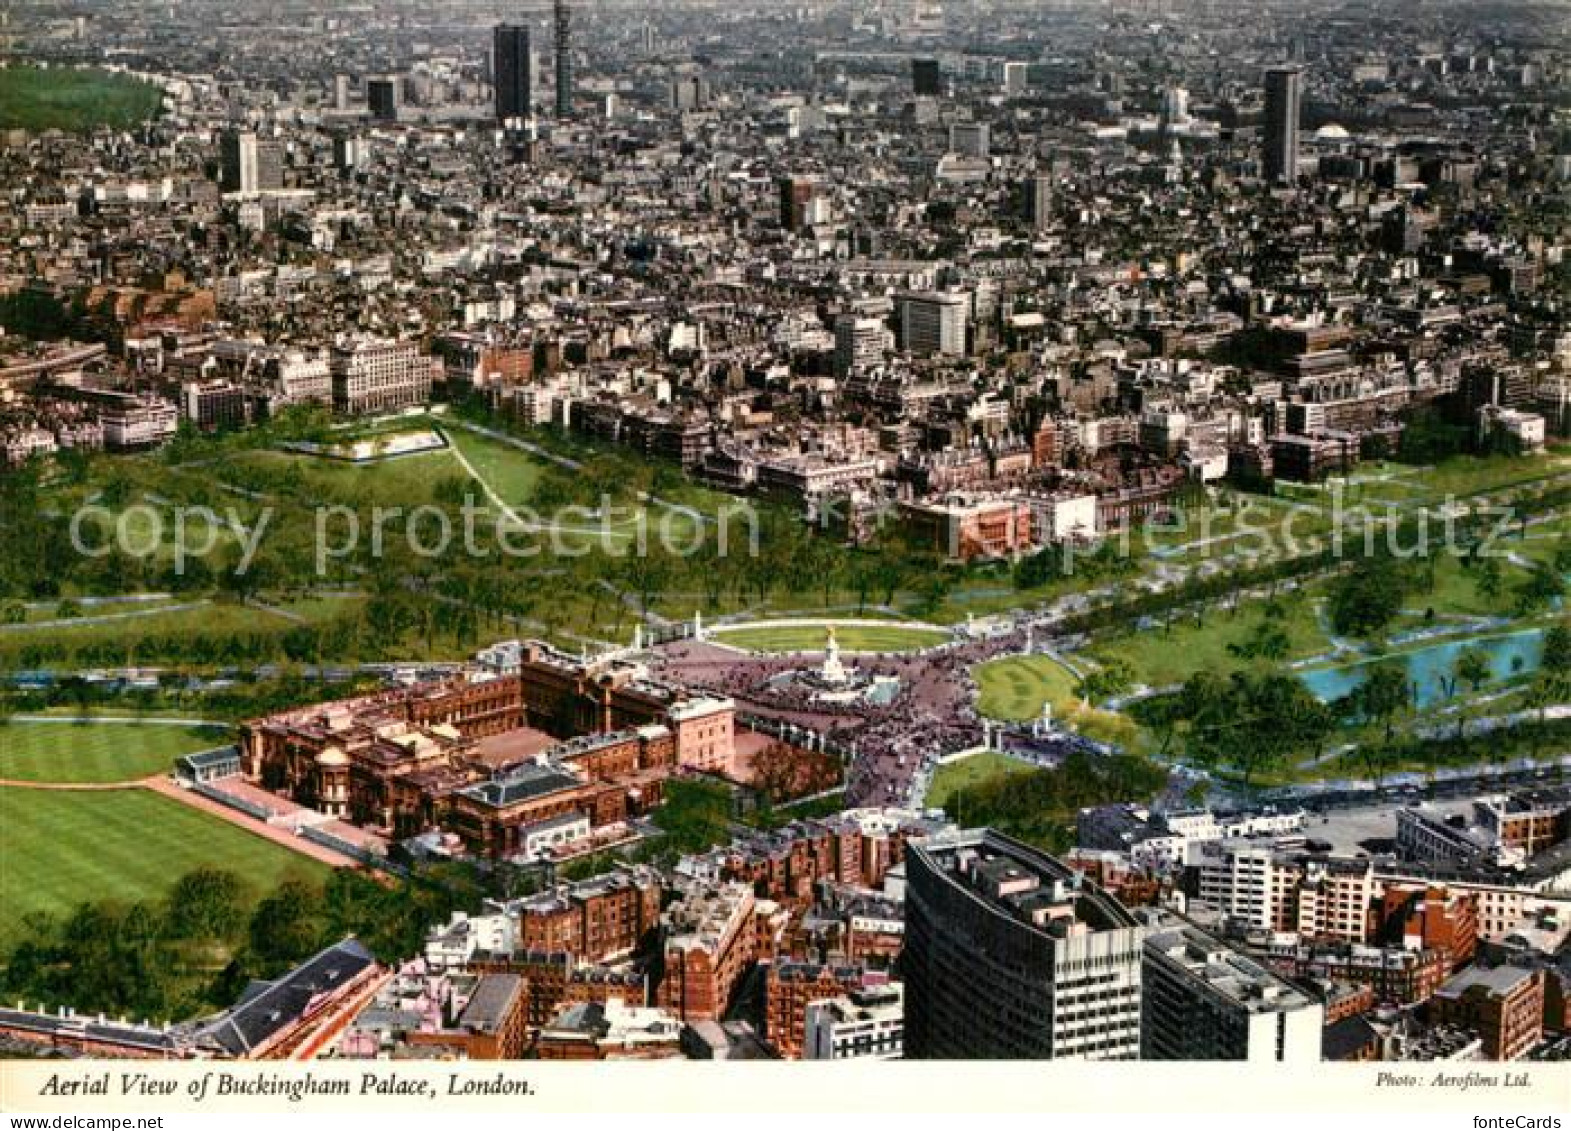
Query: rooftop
(1025,884)
(1225,972)
(521,784)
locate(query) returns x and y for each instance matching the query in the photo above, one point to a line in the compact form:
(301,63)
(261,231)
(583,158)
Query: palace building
(527,741)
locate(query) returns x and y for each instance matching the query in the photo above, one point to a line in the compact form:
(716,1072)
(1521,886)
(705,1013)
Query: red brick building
(607,917)
(789,988)
(552,981)
(1393,974)
(787,864)
(711,941)
(1504,1004)
(1427,918)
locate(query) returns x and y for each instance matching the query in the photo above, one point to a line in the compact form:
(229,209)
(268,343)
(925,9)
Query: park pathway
(73,786)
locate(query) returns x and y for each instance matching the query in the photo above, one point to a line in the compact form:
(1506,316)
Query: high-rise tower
(1284,103)
(564,60)
(514,66)
(1011,955)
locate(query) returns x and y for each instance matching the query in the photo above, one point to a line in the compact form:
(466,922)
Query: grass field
(1014,689)
(1162,657)
(63,849)
(511,473)
(969,771)
(97,752)
(516,477)
(308,481)
(812,637)
(36,98)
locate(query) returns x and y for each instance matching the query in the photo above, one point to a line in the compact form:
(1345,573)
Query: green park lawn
(58,850)
(1015,688)
(811,638)
(97,752)
(955,776)
(513,474)
(1456,592)
(517,476)
(59,98)
(1162,657)
(310,480)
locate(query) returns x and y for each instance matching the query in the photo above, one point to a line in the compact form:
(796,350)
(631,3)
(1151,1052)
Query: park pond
(1429,668)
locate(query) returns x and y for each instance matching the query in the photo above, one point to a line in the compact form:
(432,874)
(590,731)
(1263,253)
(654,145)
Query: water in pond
(1429,668)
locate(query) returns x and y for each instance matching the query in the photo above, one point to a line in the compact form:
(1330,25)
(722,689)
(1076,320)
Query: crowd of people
(893,745)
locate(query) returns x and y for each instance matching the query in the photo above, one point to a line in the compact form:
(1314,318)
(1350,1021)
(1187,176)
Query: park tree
(1381,757)
(783,772)
(1488,578)
(1384,695)
(1253,721)
(1548,689)
(1109,681)
(1368,597)
(1539,590)
(1561,562)
(207,904)
(1268,640)
(285,928)
(1473,668)
(1557,649)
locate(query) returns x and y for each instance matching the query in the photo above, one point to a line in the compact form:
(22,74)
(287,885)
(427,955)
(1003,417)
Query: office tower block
(688,92)
(381,96)
(970,139)
(1040,199)
(1206,1001)
(564,60)
(348,152)
(1009,954)
(249,165)
(1175,108)
(934,323)
(237,161)
(798,197)
(1284,104)
(514,65)
(859,343)
(380,376)
(269,166)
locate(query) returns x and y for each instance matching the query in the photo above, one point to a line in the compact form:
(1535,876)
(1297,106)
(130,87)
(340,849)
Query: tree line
(195,950)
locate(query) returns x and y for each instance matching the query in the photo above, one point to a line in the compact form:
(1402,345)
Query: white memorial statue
(833,672)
